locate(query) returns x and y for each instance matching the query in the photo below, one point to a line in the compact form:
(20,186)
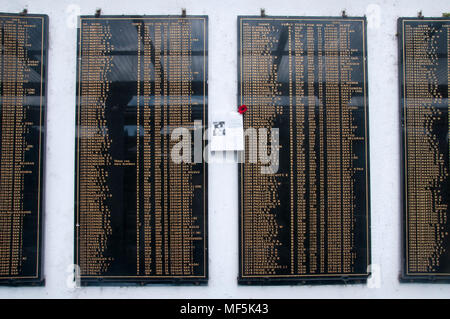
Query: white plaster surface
(223,193)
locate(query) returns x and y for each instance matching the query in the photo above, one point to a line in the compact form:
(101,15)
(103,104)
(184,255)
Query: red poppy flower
(242,109)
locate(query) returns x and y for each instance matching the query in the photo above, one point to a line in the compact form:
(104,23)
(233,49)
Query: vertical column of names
(168,55)
(94,158)
(300,146)
(167,52)
(260,91)
(12,151)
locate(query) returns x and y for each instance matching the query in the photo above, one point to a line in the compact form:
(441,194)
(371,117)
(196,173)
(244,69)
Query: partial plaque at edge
(424,91)
(23,78)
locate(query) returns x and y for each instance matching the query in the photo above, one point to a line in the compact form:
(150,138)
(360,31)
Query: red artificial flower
(242,109)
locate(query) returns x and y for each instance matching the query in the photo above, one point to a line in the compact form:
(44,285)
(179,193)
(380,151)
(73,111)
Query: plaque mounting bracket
(263,12)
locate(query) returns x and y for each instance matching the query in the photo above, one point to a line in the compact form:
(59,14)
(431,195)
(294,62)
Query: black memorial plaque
(423,76)
(306,219)
(141,216)
(23,62)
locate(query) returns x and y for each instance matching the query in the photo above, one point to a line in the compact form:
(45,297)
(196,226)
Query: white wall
(223,194)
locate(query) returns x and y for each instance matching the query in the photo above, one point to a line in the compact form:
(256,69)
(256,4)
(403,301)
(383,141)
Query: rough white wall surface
(223,182)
